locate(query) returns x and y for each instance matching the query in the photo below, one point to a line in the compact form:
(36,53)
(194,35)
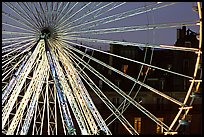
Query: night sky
(176,13)
(179,12)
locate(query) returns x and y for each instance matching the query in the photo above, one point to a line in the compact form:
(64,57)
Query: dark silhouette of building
(182,62)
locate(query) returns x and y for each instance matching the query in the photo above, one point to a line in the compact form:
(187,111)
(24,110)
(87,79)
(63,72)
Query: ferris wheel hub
(47,33)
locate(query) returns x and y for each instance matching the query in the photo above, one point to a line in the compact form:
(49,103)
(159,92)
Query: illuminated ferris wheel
(46,78)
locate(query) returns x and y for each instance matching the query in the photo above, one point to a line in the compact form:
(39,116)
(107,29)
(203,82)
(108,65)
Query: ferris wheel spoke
(61,114)
(39,17)
(149,65)
(81,101)
(119,16)
(129,28)
(151,116)
(129,77)
(101,12)
(17,27)
(14,47)
(12,83)
(71,16)
(65,15)
(43,14)
(58,75)
(27,67)
(11,69)
(15,33)
(47,15)
(94,130)
(124,105)
(105,41)
(52,109)
(112,8)
(104,79)
(58,15)
(83,94)
(51,13)
(19,21)
(20,14)
(120,107)
(98,5)
(89,21)
(31,11)
(18,49)
(35,99)
(33,20)
(106,101)
(128,97)
(8,41)
(54,12)
(27,13)
(85,15)
(8,60)
(37,81)
(123,15)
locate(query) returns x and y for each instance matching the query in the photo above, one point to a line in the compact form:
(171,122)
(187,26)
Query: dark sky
(177,13)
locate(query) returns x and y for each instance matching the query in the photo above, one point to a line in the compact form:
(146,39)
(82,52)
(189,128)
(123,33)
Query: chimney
(183,32)
(178,33)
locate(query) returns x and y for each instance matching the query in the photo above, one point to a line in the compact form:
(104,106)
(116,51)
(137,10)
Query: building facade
(175,86)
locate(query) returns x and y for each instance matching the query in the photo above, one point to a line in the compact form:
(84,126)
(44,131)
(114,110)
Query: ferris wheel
(47,72)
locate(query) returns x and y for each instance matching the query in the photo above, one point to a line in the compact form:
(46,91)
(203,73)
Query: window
(153,82)
(137,124)
(159,103)
(184,84)
(116,101)
(125,68)
(161,83)
(115,127)
(186,65)
(159,129)
(129,53)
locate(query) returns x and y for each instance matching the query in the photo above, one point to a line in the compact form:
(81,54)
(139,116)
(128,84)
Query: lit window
(116,101)
(115,127)
(125,68)
(160,128)
(137,124)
